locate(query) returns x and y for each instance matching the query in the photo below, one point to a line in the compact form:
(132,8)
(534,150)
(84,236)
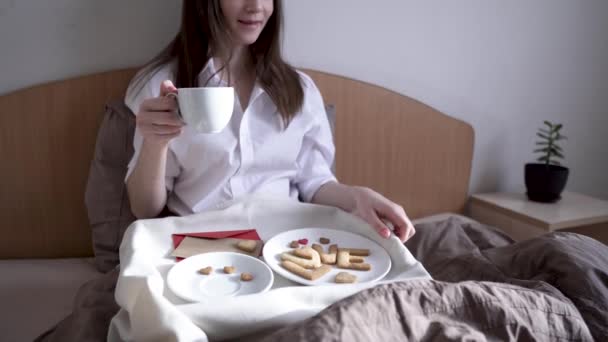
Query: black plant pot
(545,183)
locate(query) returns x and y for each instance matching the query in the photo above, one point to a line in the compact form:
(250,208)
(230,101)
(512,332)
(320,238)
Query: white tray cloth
(149,311)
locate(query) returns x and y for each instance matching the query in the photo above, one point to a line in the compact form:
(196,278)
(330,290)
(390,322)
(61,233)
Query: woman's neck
(240,65)
(242,74)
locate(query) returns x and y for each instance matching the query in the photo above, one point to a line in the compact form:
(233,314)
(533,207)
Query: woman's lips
(250,23)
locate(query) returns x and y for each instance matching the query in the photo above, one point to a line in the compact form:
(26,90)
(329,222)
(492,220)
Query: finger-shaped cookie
(356,251)
(360,266)
(306,263)
(356,259)
(304,273)
(305,252)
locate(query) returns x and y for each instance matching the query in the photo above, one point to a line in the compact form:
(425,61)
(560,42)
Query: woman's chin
(247,40)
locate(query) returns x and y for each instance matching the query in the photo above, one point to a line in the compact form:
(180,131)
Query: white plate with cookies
(217,274)
(322,256)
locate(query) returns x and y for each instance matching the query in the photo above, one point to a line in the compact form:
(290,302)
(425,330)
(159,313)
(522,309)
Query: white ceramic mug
(208,109)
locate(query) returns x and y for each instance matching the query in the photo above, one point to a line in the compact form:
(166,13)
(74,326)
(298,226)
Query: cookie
(319,250)
(314,262)
(324,240)
(304,252)
(327,258)
(356,259)
(356,251)
(345,278)
(344,262)
(311,275)
(246,277)
(229,269)
(248,246)
(206,271)
(294,244)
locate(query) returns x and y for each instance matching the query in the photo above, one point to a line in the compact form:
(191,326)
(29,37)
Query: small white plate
(186,282)
(378,258)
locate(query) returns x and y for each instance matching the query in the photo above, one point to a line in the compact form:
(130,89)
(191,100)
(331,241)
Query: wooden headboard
(400,147)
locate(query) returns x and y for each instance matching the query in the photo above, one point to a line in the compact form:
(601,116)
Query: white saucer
(187,283)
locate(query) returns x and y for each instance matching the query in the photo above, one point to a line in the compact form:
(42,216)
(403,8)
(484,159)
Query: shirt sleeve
(317,152)
(134,98)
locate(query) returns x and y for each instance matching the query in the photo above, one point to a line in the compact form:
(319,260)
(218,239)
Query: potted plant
(546,180)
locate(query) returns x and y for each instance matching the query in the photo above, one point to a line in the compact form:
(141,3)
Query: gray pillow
(106,195)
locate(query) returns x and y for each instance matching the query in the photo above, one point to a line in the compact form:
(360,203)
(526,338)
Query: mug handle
(179,112)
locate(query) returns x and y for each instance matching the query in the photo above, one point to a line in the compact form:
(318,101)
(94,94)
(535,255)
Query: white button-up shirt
(255,153)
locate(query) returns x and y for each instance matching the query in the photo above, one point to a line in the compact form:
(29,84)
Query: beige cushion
(38,293)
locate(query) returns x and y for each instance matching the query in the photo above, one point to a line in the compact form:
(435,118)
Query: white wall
(42,40)
(502,66)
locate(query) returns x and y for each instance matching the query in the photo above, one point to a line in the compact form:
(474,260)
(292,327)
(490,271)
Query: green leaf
(543,150)
(561,137)
(543,158)
(548,123)
(542,143)
(542,130)
(557,154)
(542,136)
(557,127)
(557,147)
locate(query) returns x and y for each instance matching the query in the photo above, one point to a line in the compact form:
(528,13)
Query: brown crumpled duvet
(485,288)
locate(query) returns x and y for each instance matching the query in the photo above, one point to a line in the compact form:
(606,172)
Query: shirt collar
(210,73)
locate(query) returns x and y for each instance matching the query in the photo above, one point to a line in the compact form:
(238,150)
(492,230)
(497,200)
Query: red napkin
(247,234)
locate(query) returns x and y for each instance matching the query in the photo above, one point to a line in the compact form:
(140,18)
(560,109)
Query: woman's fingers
(406,232)
(162,130)
(402,226)
(159,104)
(159,118)
(398,230)
(167,87)
(377,224)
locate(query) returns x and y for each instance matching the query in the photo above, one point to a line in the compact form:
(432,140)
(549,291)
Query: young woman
(278,140)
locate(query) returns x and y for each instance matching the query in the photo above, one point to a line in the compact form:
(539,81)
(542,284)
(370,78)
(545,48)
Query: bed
(412,153)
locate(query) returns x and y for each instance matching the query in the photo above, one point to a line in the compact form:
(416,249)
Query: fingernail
(386,233)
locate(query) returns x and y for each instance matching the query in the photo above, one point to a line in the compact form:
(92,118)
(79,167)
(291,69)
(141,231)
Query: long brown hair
(203,34)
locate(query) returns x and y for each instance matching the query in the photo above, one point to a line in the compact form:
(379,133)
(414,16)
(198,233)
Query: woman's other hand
(372,207)
(381,212)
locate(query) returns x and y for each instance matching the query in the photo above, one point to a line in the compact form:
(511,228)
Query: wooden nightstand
(523,219)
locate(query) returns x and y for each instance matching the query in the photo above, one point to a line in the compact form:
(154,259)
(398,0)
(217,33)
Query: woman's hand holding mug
(157,120)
